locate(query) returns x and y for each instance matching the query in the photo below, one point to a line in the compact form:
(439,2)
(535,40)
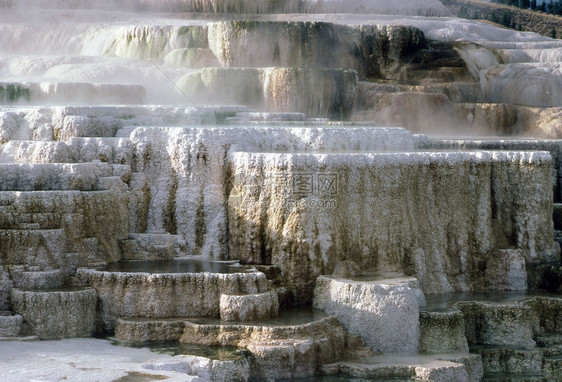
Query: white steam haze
(78,51)
(53,52)
(402,7)
(109,52)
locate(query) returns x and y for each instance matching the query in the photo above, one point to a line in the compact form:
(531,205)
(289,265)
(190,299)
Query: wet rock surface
(277,161)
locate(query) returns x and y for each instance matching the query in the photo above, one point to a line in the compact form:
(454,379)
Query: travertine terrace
(323,189)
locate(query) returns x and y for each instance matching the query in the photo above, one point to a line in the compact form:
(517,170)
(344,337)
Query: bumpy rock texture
(383,313)
(57,314)
(10,325)
(487,324)
(81,185)
(442,213)
(187,174)
(62,229)
(249,307)
(200,293)
(279,352)
(442,332)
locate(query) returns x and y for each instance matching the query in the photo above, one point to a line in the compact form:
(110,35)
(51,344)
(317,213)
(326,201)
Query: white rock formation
(448,211)
(279,352)
(79,71)
(92,359)
(119,297)
(409,7)
(187,170)
(205,369)
(249,307)
(384,312)
(58,314)
(52,176)
(389,7)
(531,84)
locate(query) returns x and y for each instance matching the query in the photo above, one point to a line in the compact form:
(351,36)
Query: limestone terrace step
(553,368)
(503,377)
(19,339)
(450,367)
(52,176)
(10,325)
(253,116)
(551,344)
(510,360)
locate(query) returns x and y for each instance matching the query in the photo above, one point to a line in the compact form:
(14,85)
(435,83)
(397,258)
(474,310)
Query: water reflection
(174,266)
(297,315)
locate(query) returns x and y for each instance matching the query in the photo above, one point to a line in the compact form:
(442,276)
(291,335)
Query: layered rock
(287,351)
(57,314)
(453,367)
(367,49)
(421,8)
(50,177)
(119,293)
(187,175)
(287,209)
(235,369)
(37,280)
(536,84)
(41,227)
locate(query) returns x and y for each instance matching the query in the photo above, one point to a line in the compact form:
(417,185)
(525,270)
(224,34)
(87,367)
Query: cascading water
(184,174)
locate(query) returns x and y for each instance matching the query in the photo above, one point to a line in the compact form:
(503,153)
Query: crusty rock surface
(201,292)
(443,367)
(10,325)
(506,270)
(40,227)
(249,307)
(57,314)
(495,324)
(442,332)
(6,285)
(187,171)
(293,351)
(383,312)
(449,210)
(33,280)
(142,330)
